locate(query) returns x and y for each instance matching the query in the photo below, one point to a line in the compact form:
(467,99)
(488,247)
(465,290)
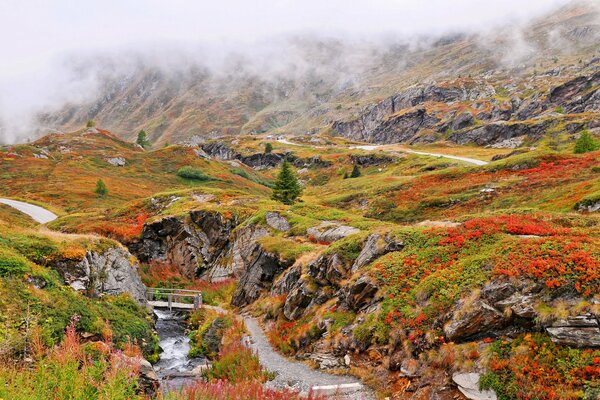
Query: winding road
(422,153)
(38,213)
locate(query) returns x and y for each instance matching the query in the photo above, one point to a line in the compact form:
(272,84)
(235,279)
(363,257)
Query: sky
(37,35)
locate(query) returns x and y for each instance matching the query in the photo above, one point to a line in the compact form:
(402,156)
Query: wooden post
(196,302)
(170,301)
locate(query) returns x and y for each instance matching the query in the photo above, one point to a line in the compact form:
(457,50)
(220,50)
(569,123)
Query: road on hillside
(39,214)
(296,375)
(380,147)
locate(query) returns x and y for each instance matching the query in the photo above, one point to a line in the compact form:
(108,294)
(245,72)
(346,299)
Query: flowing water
(174,367)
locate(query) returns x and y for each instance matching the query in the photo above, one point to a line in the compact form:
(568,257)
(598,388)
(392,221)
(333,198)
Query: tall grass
(223,390)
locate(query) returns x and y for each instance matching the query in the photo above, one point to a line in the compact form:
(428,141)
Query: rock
(213,336)
(116,161)
(276,221)
(370,159)
(580,331)
(297,300)
(201,153)
(219,150)
(148,381)
(287,282)
(360,294)
(113,271)
(501,132)
(326,361)
(470,320)
(328,232)
(575,95)
(468,384)
(347,360)
(375,246)
(257,276)
(511,143)
(588,206)
(463,120)
(327,270)
(200,369)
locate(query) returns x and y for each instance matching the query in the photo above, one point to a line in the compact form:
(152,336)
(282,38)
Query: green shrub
(586,143)
(101,189)
(192,173)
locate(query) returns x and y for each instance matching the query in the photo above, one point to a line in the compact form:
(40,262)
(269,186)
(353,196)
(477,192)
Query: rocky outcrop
(192,243)
(496,132)
(270,160)
(330,231)
(298,300)
(277,222)
(360,294)
(508,307)
(327,270)
(577,95)
(257,276)
(579,331)
(375,246)
(368,160)
(113,271)
(219,150)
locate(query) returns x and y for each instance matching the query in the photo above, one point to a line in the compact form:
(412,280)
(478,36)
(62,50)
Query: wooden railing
(175,297)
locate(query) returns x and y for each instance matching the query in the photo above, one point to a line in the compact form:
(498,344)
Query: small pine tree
(90,124)
(142,139)
(268,148)
(287,188)
(355,172)
(586,143)
(101,189)
(346,175)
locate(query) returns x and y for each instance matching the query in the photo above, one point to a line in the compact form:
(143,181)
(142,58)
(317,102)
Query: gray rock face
(192,244)
(359,295)
(327,270)
(575,95)
(579,331)
(109,272)
(276,221)
(257,276)
(468,323)
(329,231)
(117,161)
(297,301)
(375,246)
(468,384)
(589,206)
(219,150)
(368,160)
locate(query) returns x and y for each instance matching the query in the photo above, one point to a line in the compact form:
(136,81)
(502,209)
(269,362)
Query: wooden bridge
(174,299)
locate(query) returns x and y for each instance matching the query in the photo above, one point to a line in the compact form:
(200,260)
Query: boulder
(286,282)
(276,221)
(580,331)
(462,121)
(329,231)
(117,161)
(468,384)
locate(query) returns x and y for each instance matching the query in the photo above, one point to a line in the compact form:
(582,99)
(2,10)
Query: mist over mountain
(297,77)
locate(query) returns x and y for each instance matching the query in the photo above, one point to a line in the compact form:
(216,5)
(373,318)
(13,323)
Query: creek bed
(174,368)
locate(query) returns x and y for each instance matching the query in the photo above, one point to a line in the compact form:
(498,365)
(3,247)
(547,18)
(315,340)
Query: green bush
(586,143)
(192,173)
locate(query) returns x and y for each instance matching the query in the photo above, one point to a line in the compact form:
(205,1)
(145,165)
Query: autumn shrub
(533,367)
(246,390)
(75,372)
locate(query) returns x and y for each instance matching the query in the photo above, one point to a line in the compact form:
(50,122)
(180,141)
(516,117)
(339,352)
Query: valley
(415,218)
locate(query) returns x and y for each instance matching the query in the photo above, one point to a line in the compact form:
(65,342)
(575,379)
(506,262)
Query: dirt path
(39,214)
(296,375)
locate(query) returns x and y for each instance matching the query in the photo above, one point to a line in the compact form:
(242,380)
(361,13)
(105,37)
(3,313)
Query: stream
(174,368)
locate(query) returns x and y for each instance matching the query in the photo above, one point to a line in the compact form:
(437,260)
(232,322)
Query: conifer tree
(287,188)
(268,148)
(101,189)
(586,143)
(142,139)
(355,172)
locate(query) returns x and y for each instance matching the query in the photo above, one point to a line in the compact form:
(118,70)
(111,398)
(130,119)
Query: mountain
(420,90)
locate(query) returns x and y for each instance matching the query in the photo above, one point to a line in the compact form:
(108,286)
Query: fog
(54,52)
